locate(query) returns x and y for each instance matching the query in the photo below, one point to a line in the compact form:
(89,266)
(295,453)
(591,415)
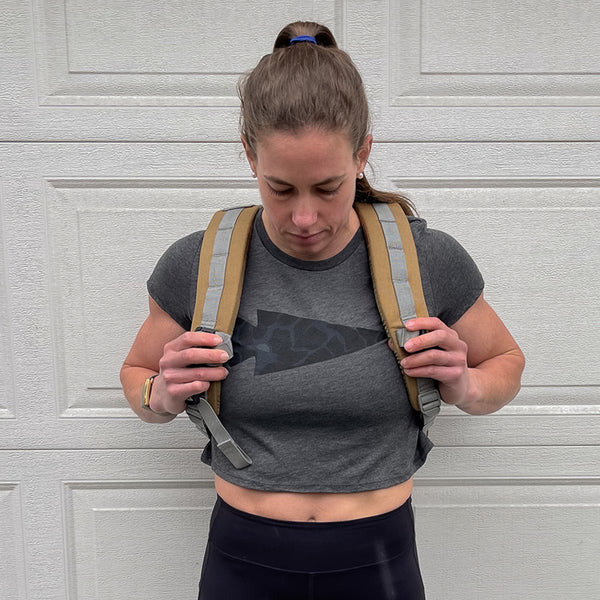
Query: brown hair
(304,85)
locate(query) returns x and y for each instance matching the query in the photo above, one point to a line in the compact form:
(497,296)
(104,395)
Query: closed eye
(330,192)
(280,192)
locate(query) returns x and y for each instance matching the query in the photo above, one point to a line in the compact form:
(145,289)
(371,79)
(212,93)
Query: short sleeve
(172,284)
(451,280)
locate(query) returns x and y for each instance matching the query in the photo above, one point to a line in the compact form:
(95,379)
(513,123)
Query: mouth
(305,238)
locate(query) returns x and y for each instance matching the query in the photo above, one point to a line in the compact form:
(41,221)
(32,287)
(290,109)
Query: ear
(362,156)
(249,154)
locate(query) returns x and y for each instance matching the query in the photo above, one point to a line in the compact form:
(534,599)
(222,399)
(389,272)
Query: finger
(432,334)
(445,339)
(180,393)
(425,323)
(193,357)
(199,373)
(431,339)
(191,339)
(443,374)
(433,357)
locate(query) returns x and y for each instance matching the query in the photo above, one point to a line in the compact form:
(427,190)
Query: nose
(304,214)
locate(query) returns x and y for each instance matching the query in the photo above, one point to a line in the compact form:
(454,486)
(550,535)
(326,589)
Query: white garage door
(118,135)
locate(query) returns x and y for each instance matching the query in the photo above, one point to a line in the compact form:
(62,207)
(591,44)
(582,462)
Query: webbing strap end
(202,414)
(237,457)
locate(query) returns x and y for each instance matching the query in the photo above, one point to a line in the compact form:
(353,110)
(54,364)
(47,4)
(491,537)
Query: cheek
(346,200)
(273,214)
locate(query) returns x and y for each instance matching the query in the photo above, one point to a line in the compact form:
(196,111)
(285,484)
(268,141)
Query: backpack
(398,292)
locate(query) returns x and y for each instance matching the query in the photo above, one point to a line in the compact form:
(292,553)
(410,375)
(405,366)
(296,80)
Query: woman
(324,510)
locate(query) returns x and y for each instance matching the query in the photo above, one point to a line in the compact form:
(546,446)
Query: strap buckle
(429,400)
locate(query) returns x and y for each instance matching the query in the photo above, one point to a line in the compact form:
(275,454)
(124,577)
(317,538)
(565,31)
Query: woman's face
(307,182)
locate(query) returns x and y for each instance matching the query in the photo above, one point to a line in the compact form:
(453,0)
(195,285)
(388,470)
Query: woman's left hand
(438,354)
(476,361)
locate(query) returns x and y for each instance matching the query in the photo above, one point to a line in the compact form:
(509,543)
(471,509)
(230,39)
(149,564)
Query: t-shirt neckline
(298,263)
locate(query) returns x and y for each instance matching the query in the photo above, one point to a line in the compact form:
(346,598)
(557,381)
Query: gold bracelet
(146,391)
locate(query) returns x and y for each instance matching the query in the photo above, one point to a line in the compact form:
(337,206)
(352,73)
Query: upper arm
(157,330)
(485,334)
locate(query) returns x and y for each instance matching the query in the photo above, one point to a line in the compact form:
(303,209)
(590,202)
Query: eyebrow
(327,181)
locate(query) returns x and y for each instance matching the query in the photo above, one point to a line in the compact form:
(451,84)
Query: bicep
(484,333)
(157,330)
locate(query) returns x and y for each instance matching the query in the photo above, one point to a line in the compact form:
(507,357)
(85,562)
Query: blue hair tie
(303,38)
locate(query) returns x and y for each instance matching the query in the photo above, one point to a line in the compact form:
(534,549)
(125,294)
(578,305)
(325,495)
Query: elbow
(520,367)
(514,377)
(132,390)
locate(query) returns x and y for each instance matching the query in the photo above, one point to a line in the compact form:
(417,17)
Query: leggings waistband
(314,546)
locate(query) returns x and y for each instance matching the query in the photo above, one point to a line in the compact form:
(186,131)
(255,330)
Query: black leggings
(254,558)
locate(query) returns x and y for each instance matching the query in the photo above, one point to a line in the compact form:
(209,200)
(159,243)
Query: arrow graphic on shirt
(280,342)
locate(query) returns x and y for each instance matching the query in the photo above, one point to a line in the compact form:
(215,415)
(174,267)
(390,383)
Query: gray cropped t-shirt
(314,394)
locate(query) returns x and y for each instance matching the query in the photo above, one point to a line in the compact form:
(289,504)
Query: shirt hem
(319,488)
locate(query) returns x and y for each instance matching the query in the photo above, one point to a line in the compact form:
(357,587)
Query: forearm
(132,380)
(493,383)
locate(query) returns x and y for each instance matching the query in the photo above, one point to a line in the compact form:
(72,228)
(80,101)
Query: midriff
(323,507)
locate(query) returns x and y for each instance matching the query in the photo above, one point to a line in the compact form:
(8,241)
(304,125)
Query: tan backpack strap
(221,269)
(398,289)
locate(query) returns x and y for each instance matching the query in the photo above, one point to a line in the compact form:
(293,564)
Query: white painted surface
(118,135)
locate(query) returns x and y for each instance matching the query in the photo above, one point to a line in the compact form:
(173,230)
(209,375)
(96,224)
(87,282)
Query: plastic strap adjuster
(429,400)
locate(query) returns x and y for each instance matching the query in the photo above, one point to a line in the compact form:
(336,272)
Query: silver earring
(360,175)
(253,174)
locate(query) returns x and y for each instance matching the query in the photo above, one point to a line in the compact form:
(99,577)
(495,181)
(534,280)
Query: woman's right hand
(165,348)
(184,370)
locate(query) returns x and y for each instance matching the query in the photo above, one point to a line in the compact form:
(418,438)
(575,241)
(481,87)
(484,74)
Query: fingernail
(224,356)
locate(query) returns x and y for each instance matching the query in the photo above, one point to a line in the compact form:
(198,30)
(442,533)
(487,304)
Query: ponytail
(308,82)
(369,195)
